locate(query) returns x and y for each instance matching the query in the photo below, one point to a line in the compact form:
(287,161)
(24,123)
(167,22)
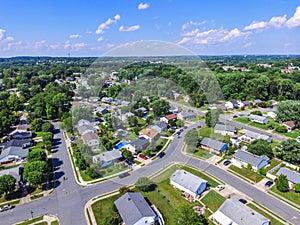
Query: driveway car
(243,201)
(226,163)
(269,183)
(220,187)
(161,154)
(142,156)
(6,207)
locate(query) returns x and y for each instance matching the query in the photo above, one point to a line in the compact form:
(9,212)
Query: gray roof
(214,144)
(241,214)
(15,143)
(187,180)
(162,125)
(223,127)
(255,135)
(138,142)
(250,158)
(188,114)
(84,128)
(108,155)
(290,175)
(12,171)
(12,152)
(132,207)
(256,117)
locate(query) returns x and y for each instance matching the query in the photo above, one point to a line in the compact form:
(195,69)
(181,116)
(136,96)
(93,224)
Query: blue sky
(91,28)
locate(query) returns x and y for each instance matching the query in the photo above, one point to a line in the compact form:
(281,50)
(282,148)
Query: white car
(6,207)
(220,187)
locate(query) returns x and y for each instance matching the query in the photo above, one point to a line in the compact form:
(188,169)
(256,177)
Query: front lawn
(31,221)
(258,125)
(213,200)
(242,119)
(272,219)
(209,132)
(294,134)
(245,120)
(202,153)
(245,172)
(290,195)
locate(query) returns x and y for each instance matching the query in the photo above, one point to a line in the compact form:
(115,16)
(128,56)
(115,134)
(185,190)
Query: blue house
(243,158)
(214,145)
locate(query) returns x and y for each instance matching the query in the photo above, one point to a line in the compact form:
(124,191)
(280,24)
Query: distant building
(135,210)
(188,182)
(258,119)
(292,176)
(290,125)
(233,212)
(250,136)
(214,145)
(84,129)
(243,158)
(186,115)
(225,129)
(169,117)
(149,133)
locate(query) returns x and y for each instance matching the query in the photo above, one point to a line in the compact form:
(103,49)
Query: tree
(187,216)
(110,220)
(126,154)
(36,125)
(144,184)
(281,129)
(191,138)
(47,127)
(289,151)
(160,108)
(257,112)
(260,147)
(124,190)
(288,110)
(249,166)
(263,171)
(212,117)
(7,184)
(35,178)
(297,188)
(282,183)
(37,154)
(67,124)
(133,121)
(39,166)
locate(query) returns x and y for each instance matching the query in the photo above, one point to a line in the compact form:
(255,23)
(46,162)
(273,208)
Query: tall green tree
(212,117)
(160,107)
(187,216)
(7,184)
(260,147)
(282,183)
(37,154)
(289,151)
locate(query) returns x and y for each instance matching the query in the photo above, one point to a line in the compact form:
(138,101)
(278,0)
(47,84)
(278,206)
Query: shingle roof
(20,152)
(108,155)
(290,174)
(15,143)
(150,132)
(138,142)
(162,125)
(187,114)
(248,157)
(289,123)
(255,135)
(89,136)
(256,117)
(187,180)
(211,143)
(170,116)
(81,129)
(223,127)
(241,214)
(132,207)
(12,171)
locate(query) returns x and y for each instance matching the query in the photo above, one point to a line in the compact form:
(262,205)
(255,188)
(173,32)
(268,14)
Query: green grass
(39,134)
(85,177)
(202,153)
(41,223)
(245,172)
(258,125)
(294,134)
(31,221)
(16,202)
(209,132)
(290,195)
(242,119)
(132,136)
(36,197)
(55,222)
(273,220)
(213,200)
(273,162)
(137,162)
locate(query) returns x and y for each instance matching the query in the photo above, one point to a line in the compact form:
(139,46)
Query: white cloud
(192,23)
(256,25)
(110,45)
(2,34)
(40,44)
(14,45)
(277,21)
(294,21)
(247,45)
(100,39)
(10,38)
(131,28)
(73,36)
(143,6)
(104,26)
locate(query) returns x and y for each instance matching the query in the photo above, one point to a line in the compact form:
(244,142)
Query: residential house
(107,158)
(271,114)
(225,129)
(292,176)
(235,104)
(243,158)
(236,213)
(186,115)
(160,126)
(149,133)
(107,100)
(258,119)
(137,145)
(246,103)
(214,145)
(135,210)
(14,150)
(83,122)
(21,132)
(257,102)
(84,129)
(188,182)
(169,117)
(100,110)
(125,116)
(14,171)
(240,104)
(173,109)
(143,109)
(287,70)
(223,107)
(91,139)
(229,105)
(290,125)
(250,136)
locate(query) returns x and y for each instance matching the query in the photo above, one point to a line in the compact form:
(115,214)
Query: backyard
(213,200)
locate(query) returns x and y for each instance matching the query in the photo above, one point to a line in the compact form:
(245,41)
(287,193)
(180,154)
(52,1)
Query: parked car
(269,183)
(220,187)
(243,201)
(235,116)
(128,162)
(72,138)
(161,154)
(142,156)
(122,175)
(6,207)
(226,163)
(178,133)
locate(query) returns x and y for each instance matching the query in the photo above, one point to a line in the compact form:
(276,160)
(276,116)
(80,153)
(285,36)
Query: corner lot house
(250,136)
(91,139)
(108,157)
(233,212)
(15,172)
(258,119)
(243,158)
(214,145)
(225,129)
(149,133)
(188,182)
(290,125)
(14,150)
(160,126)
(135,210)
(137,145)
(292,176)
(186,115)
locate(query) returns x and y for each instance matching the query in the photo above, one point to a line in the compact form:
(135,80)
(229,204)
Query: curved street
(69,198)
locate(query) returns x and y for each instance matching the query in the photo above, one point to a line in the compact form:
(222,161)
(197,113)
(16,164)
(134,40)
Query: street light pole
(31,212)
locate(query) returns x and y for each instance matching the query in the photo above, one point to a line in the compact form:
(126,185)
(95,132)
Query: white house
(188,182)
(233,212)
(107,158)
(225,129)
(258,119)
(186,115)
(229,105)
(250,136)
(137,145)
(243,158)
(290,125)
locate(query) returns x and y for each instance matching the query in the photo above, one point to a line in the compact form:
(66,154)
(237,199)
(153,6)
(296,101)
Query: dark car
(269,183)
(235,116)
(161,154)
(243,201)
(226,163)
(122,175)
(128,162)
(72,138)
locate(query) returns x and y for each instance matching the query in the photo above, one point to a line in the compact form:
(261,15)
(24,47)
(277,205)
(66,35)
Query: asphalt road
(69,198)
